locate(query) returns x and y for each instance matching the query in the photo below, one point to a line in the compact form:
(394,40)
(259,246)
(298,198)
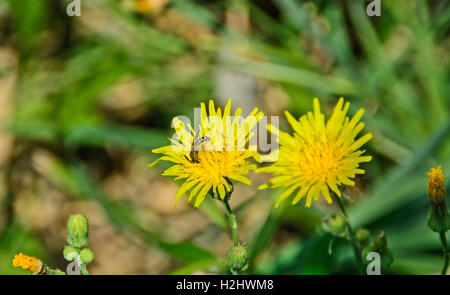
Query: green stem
(233,222)
(356,248)
(446,255)
(53,271)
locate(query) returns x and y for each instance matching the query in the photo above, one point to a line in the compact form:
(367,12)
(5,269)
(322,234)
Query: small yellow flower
(29,263)
(212,156)
(435,185)
(319,155)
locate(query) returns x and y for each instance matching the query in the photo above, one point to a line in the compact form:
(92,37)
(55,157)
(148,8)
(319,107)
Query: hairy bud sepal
(380,246)
(438,218)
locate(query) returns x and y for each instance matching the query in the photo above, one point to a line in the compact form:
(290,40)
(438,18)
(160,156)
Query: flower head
(319,156)
(29,263)
(435,185)
(210,157)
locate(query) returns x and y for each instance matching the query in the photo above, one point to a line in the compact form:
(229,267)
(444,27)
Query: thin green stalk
(356,248)
(53,271)
(446,255)
(233,222)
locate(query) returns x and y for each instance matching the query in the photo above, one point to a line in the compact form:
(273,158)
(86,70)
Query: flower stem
(446,255)
(53,271)
(356,248)
(233,222)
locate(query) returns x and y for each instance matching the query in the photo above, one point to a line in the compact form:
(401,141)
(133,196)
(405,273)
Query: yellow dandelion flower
(319,156)
(29,263)
(435,185)
(213,155)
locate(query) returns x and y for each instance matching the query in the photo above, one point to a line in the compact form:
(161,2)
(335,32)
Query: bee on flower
(320,156)
(212,156)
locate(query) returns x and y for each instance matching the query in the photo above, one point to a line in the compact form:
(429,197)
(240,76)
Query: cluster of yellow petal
(222,155)
(435,186)
(29,263)
(319,155)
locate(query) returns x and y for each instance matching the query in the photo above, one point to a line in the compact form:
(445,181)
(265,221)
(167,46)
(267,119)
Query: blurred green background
(84,99)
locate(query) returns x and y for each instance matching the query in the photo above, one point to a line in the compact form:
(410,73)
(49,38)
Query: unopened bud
(363,236)
(238,258)
(77,230)
(335,224)
(70,253)
(438,218)
(86,256)
(380,246)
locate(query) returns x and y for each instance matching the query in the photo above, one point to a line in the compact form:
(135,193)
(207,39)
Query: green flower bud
(363,236)
(77,230)
(86,256)
(381,247)
(335,225)
(70,253)
(238,258)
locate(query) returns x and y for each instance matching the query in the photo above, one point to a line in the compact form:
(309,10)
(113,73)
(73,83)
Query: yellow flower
(319,156)
(210,157)
(435,185)
(29,263)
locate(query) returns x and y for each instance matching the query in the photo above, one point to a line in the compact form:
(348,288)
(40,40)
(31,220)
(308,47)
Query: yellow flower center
(319,160)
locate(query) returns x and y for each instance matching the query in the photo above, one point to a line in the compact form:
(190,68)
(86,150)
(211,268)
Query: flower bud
(54,272)
(237,258)
(70,253)
(77,230)
(438,218)
(86,256)
(335,225)
(363,236)
(380,246)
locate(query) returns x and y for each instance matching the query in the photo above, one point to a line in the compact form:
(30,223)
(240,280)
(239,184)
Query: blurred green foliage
(396,66)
